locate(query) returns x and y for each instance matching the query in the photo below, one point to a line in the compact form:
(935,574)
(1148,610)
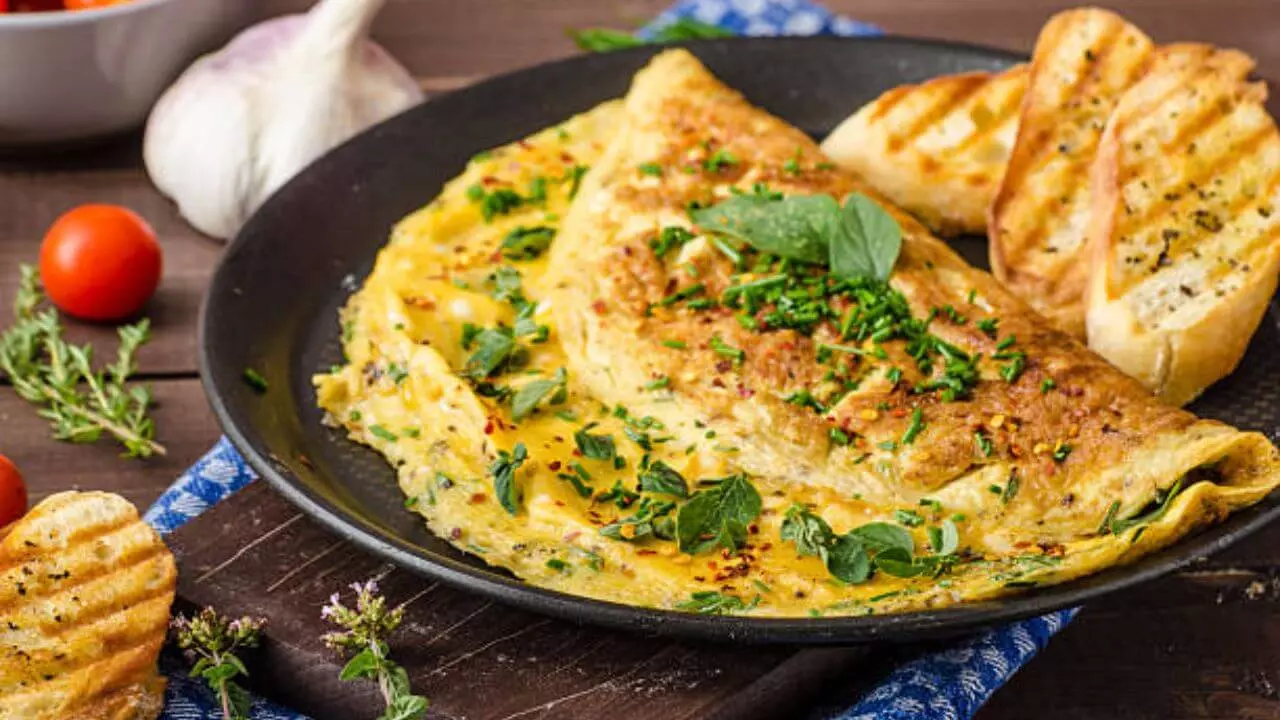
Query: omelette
(666,354)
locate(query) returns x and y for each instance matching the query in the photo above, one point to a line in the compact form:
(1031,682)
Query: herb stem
(121,433)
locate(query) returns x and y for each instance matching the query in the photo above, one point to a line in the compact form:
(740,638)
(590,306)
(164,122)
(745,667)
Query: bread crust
(937,149)
(1084,59)
(1183,263)
(85,592)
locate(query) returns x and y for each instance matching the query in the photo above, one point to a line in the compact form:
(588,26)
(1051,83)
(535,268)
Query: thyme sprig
(211,642)
(365,629)
(80,403)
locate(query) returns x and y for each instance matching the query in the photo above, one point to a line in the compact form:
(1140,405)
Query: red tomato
(91,4)
(36,5)
(100,262)
(13,493)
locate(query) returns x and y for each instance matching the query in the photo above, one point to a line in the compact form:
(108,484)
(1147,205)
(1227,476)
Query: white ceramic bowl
(72,76)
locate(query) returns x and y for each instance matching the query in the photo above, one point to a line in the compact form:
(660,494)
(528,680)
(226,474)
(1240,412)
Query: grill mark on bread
(42,587)
(942,108)
(28,552)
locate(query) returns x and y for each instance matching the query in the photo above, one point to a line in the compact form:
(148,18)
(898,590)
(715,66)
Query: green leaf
(797,227)
(662,478)
(881,537)
(946,539)
(711,602)
(219,673)
(811,534)
(870,242)
(899,563)
(531,393)
(604,40)
(494,348)
(527,243)
(718,516)
(848,560)
(363,664)
(595,447)
(687,29)
(406,707)
(1162,502)
(503,470)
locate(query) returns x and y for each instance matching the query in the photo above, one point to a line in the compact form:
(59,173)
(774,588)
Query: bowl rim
(60,18)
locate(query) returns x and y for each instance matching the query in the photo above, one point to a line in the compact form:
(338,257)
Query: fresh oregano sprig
(211,642)
(80,403)
(365,630)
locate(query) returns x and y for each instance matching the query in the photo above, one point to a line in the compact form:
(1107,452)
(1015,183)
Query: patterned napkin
(947,683)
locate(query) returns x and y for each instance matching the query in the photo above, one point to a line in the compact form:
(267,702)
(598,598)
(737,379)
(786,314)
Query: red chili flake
(900,412)
(455,534)
(766,547)
(554,465)
(599,307)
(699,578)
(566,158)
(753,529)
(711,564)
(559,503)
(477,498)
(576,452)
(488,427)
(723,366)
(646,551)
(489,180)
(745,392)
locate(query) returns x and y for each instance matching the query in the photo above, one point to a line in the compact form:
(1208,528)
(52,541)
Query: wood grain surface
(1202,644)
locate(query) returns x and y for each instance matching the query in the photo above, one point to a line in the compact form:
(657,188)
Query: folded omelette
(638,357)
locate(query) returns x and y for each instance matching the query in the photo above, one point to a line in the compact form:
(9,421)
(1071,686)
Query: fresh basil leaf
(848,560)
(718,516)
(898,563)
(811,534)
(869,241)
(1162,502)
(662,478)
(531,393)
(503,470)
(797,227)
(596,447)
(882,537)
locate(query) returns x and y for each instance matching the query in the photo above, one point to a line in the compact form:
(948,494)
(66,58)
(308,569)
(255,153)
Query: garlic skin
(242,121)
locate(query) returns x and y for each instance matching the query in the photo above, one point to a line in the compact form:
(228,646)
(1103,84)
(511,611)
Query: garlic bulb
(242,121)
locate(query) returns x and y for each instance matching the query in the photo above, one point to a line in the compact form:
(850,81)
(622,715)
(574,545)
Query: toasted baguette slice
(1185,233)
(937,149)
(1083,62)
(85,590)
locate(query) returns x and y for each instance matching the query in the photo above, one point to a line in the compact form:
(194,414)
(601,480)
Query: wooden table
(1202,644)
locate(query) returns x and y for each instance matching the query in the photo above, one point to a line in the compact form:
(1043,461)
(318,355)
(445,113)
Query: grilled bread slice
(1083,62)
(937,149)
(1185,232)
(85,591)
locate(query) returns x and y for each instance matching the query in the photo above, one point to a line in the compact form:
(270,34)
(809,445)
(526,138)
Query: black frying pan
(274,300)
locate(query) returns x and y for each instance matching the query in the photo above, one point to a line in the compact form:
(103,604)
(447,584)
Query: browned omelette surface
(1047,464)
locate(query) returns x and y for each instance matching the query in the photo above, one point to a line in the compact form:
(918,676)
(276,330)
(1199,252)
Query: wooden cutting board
(255,554)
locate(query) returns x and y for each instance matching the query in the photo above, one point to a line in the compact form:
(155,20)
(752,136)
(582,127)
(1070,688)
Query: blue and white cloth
(939,684)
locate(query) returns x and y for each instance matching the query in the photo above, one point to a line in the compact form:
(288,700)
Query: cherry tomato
(100,262)
(13,493)
(91,4)
(36,5)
